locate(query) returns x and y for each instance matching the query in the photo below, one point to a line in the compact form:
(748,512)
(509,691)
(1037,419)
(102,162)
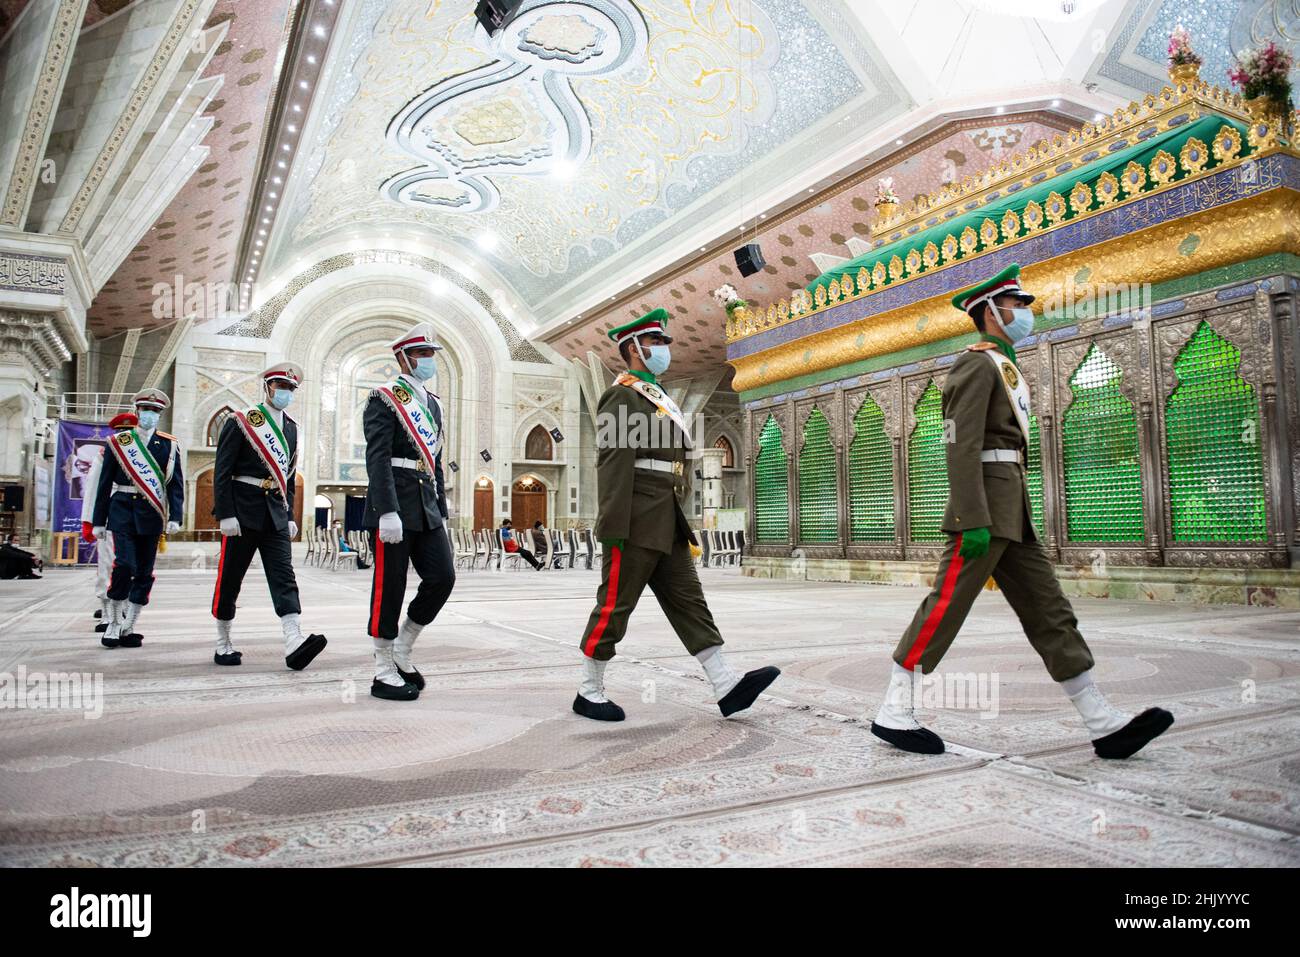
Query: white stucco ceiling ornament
(519,115)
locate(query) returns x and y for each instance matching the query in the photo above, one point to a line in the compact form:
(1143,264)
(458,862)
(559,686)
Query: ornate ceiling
(585,129)
(580,159)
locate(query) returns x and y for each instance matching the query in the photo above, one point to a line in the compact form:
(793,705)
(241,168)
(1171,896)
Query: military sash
(662,401)
(270,445)
(141,468)
(1016,388)
(415,417)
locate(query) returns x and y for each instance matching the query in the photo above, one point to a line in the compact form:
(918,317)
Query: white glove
(230,526)
(99,532)
(390,528)
(293,529)
(173,528)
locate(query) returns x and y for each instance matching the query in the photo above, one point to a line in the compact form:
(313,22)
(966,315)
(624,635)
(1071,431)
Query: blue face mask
(148,420)
(1021,324)
(658,359)
(281,398)
(424,368)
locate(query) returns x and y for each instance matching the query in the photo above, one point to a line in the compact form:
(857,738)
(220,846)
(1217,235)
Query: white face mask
(148,419)
(1021,324)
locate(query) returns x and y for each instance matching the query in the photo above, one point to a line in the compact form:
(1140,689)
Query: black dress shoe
(407,692)
(233,658)
(919,741)
(302,655)
(1135,735)
(108,642)
(133,640)
(99,613)
(102,626)
(598,710)
(412,677)
(747,690)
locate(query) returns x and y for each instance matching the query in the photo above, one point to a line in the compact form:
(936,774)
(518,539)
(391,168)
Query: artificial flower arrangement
(1264,72)
(885,191)
(727,296)
(1180,48)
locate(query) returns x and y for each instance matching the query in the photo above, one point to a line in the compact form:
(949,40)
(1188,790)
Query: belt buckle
(677,468)
(421,465)
(267,484)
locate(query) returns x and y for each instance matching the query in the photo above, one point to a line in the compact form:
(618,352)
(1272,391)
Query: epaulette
(981,346)
(165,435)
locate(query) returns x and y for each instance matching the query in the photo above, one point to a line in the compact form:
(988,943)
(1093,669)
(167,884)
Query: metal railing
(92,406)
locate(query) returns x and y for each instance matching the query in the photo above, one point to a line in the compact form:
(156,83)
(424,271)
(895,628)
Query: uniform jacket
(420,498)
(91,487)
(639,505)
(989,495)
(255,508)
(129,512)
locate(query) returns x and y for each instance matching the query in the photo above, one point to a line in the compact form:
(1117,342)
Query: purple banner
(80,446)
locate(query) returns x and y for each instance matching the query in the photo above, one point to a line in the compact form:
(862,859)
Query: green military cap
(656,320)
(1007,281)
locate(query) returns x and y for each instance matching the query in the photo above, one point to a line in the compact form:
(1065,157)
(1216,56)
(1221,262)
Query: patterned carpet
(190,764)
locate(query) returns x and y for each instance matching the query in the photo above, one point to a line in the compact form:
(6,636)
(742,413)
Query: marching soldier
(139,497)
(991,533)
(406,507)
(642,438)
(103,546)
(253,488)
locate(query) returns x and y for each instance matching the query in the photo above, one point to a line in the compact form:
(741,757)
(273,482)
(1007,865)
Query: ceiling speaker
(749,259)
(494,13)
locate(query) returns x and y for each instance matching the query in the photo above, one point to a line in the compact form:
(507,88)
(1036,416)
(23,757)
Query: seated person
(16,563)
(345,548)
(512,546)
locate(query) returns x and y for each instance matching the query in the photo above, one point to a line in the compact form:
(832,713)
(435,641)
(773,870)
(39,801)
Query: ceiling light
(303,84)
(319,30)
(276,179)
(311,58)
(1056,103)
(261,232)
(292,128)
(272,195)
(297,108)
(1000,110)
(270,209)
(282,164)
(286,147)
(898,142)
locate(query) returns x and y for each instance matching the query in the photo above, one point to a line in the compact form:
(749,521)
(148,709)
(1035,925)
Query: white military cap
(288,371)
(153,398)
(420,336)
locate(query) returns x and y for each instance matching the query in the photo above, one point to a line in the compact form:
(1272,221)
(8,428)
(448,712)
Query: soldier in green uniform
(991,533)
(642,438)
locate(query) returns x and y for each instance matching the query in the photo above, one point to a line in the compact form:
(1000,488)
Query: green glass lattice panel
(1212,443)
(819,507)
(871,477)
(927,469)
(1034,472)
(1103,478)
(771,488)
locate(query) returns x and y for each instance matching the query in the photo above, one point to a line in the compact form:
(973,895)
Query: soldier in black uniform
(406,511)
(257,516)
(121,507)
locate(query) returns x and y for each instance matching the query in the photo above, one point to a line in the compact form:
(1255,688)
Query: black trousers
(133,559)
(529,557)
(430,552)
(277,560)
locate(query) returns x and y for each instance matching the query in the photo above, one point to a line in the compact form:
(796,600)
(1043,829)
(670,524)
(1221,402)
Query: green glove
(975,543)
(618,543)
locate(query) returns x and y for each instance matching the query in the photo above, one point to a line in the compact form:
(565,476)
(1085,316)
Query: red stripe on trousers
(379,587)
(221,563)
(936,613)
(611,596)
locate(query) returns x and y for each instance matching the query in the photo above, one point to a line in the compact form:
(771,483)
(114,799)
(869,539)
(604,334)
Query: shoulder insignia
(981,346)
(166,435)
